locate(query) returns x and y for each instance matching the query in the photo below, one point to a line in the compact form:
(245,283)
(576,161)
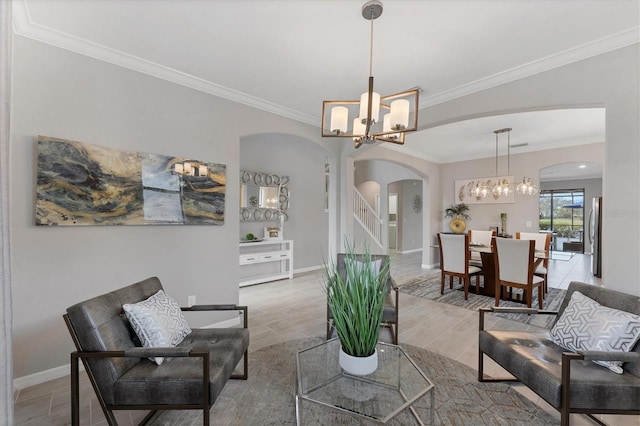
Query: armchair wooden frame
(140,352)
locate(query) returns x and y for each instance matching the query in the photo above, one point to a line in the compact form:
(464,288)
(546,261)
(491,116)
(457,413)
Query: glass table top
(395,385)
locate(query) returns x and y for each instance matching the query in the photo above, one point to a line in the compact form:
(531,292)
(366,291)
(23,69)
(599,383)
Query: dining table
(489,267)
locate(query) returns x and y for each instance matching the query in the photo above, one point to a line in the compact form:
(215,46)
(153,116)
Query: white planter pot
(356,365)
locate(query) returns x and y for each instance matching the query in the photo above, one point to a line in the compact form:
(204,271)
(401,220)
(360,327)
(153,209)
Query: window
(562,212)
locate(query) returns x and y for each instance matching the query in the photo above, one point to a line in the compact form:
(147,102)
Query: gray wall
(612,80)
(303,161)
(62,94)
(525,209)
(410,221)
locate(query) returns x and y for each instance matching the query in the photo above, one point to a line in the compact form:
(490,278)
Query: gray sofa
(191,377)
(568,381)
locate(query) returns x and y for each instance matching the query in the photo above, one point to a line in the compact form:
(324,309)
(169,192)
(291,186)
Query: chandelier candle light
(367,127)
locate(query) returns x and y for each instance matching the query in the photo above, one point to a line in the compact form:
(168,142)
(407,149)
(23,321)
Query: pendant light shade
(399,114)
(339,119)
(375,107)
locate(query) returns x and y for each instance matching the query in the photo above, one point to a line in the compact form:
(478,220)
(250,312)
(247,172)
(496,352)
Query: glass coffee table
(378,397)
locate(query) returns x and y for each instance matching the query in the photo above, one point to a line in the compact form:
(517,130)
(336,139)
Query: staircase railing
(367,217)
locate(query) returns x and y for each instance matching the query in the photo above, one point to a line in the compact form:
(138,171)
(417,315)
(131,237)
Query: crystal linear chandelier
(502,186)
(366,127)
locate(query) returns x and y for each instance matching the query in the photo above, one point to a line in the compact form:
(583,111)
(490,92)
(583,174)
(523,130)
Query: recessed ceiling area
(532,131)
(574,170)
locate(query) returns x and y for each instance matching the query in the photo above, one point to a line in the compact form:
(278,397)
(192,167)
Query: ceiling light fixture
(527,187)
(366,128)
(502,185)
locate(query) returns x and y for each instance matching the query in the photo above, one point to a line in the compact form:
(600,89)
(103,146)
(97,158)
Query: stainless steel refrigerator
(595,236)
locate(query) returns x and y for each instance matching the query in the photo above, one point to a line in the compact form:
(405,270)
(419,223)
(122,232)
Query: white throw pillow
(158,322)
(588,326)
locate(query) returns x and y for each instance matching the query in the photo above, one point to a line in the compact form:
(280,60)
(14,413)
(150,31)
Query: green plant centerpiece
(356,293)
(459,214)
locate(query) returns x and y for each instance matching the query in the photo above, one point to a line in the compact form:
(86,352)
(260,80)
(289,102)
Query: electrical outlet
(528,224)
(191,300)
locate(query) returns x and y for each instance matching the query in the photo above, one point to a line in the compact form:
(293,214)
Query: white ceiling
(288,56)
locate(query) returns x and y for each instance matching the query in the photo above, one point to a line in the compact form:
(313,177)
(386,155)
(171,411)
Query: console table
(264,261)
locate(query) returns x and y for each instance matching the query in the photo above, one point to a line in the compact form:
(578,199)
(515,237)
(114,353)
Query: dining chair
(454,261)
(479,237)
(515,265)
(543,242)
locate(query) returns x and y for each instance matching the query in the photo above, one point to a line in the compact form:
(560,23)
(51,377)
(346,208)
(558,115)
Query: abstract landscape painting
(83,184)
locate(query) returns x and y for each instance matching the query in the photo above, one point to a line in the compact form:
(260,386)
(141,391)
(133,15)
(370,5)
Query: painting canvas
(464,191)
(83,184)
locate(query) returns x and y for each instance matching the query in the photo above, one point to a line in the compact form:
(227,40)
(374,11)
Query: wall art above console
(83,184)
(264,197)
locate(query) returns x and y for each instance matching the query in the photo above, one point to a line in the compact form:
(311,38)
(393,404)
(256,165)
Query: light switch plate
(528,224)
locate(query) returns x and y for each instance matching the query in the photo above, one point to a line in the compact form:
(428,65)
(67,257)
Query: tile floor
(291,309)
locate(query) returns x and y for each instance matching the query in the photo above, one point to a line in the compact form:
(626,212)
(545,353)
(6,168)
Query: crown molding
(597,47)
(24,26)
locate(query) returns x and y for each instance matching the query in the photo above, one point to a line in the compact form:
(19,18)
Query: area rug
(428,286)
(267,397)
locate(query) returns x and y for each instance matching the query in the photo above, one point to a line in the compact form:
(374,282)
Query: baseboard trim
(410,251)
(431,266)
(308,269)
(40,377)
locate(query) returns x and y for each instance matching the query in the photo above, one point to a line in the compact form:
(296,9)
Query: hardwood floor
(290,309)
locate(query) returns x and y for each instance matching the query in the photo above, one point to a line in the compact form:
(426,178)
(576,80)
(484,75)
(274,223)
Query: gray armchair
(390,312)
(191,377)
(567,380)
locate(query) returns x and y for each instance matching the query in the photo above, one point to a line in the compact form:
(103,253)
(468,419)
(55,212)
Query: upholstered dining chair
(515,265)
(479,237)
(390,310)
(543,242)
(454,261)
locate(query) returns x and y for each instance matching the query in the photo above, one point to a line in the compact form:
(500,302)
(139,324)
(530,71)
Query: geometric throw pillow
(588,326)
(158,322)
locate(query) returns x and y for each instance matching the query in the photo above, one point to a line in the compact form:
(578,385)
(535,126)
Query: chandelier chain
(508,152)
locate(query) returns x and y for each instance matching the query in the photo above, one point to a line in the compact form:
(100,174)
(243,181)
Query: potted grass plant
(356,295)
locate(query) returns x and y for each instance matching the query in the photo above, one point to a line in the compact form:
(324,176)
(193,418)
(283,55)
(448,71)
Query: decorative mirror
(264,197)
